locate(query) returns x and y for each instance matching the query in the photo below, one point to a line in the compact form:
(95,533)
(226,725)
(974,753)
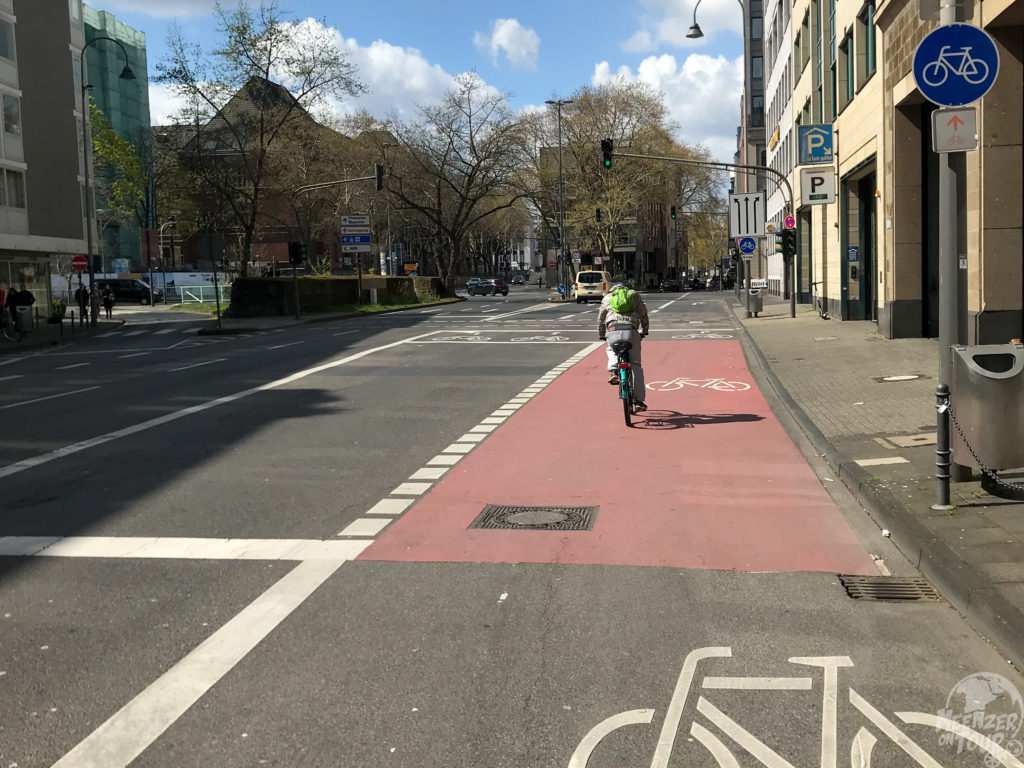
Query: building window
(756,28)
(757,67)
(6,40)
(756,111)
(12,115)
(805,41)
(15,189)
(847,71)
(75,8)
(866,43)
(796,51)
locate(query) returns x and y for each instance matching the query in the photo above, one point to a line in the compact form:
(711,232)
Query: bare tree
(244,96)
(457,166)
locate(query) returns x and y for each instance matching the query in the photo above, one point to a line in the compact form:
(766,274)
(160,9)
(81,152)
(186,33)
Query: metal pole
(561,205)
(942,449)
(89,199)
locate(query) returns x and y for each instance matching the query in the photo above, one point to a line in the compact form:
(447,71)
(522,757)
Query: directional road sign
(355,230)
(353,239)
(747,245)
(955,129)
(357,248)
(355,220)
(817,186)
(815,143)
(746,214)
(955,65)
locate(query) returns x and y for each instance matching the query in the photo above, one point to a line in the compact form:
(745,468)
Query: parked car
(519,280)
(669,286)
(697,284)
(591,285)
(472,281)
(131,289)
(492,286)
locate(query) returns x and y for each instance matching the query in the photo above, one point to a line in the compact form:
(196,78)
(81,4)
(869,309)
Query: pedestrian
(82,299)
(108,301)
(95,301)
(540,281)
(3,295)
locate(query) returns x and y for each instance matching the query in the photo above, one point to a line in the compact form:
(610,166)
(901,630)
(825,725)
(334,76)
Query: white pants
(634,361)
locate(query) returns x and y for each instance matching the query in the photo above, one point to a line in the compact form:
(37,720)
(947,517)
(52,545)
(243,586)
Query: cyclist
(623,317)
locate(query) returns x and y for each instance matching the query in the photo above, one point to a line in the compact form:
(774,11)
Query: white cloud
(520,44)
(702,95)
(162,104)
(161,8)
(668,21)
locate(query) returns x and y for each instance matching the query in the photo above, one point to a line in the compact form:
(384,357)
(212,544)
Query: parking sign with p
(815,142)
(817,186)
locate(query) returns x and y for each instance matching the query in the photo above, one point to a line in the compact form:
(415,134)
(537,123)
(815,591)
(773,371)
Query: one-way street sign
(746,214)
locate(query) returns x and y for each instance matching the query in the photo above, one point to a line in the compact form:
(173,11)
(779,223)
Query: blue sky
(408,50)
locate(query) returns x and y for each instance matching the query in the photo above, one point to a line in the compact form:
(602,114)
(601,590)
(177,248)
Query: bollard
(942,448)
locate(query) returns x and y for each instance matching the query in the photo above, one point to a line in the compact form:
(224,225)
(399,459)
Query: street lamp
(558,103)
(173,224)
(90,198)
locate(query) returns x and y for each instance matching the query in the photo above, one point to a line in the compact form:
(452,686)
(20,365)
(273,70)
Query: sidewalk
(879,437)
(46,335)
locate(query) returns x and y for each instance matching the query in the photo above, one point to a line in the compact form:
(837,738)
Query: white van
(592,285)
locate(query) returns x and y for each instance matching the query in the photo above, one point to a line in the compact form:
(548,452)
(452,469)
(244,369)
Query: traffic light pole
(777,176)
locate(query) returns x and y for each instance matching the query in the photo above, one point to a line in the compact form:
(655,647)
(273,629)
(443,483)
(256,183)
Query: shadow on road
(675,420)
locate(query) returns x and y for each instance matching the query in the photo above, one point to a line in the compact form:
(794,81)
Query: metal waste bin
(23,319)
(756,300)
(987,399)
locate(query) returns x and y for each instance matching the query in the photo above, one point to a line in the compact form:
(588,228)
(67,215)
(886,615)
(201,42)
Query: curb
(969,592)
(326,319)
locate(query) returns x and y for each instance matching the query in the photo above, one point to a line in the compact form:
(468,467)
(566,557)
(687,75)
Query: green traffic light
(607,163)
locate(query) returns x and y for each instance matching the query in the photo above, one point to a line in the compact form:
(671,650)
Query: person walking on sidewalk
(623,317)
(82,298)
(95,301)
(108,301)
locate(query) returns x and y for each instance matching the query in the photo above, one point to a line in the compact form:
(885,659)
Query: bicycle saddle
(621,346)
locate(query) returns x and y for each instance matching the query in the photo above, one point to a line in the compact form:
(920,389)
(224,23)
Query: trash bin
(756,300)
(987,399)
(23,319)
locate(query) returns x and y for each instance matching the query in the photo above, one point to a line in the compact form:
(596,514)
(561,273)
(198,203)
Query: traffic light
(672,212)
(598,216)
(378,177)
(788,242)
(296,252)
(606,151)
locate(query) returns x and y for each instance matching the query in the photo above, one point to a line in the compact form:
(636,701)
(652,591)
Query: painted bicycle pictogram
(703,335)
(542,338)
(718,385)
(461,338)
(959,63)
(873,726)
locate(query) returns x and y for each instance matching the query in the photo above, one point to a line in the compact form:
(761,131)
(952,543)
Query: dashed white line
(389,507)
(135,354)
(135,333)
(69,367)
(442,460)
(39,400)
(165,330)
(365,526)
(428,473)
(473,437)
(282,346)
(8,378)
(412,489)
(196,365)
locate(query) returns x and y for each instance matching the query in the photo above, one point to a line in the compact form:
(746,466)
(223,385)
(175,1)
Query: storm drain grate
(895,588)
(536,518)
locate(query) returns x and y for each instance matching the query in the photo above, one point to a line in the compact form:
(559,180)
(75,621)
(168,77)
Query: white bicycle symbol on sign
(703,335)
(719,385)
(860,748)
(542,338)
(974,71)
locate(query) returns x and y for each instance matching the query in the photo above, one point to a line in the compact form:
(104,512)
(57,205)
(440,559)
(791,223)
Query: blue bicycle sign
(956,65)
(747,244)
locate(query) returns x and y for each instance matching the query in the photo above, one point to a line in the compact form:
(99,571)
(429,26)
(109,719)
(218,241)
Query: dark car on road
(519,280)
(669,285)
(493,286)
(132,290)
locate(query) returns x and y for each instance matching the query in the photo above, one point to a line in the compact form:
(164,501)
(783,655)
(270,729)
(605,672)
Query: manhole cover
(895,588)
(536,518)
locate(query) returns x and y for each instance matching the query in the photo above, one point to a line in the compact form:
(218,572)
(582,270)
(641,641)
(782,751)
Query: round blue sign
(748,245)
(956,65)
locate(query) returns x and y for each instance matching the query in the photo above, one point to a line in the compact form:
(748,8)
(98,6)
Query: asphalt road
(257,550)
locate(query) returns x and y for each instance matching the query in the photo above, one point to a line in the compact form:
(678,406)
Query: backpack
(621,301)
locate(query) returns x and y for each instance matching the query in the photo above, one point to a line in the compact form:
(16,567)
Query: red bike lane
(707,478)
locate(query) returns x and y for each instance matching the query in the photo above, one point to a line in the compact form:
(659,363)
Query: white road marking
(566,317)
(474,437)
(343,333)
(449,460)
(176,548)
(365,526)
(196,365)
(428,473)
(39,400)
(389,507)
(128,733)
(411,489)
(197,329)
(459,447)
(165,330)
(506,411)
(494,420)
(136,354)
(881,461)
(69,367)
(8,378)
(282,346)
(758,683)
(135,333)
(483,429)
(532,308)
(84,445)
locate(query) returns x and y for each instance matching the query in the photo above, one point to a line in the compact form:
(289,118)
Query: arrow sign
(746,214)
(955,121)
(955,130)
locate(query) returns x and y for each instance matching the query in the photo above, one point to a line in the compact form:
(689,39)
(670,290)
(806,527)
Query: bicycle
(7,327)
(625,371)
(974,71)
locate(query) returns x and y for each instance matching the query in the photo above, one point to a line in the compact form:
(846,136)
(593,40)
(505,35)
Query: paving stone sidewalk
(851,390)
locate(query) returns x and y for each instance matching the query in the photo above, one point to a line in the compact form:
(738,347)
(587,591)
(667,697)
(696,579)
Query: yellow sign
(775,138)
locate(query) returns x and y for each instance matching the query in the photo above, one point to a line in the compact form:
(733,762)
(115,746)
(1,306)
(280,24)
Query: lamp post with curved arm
(90,198)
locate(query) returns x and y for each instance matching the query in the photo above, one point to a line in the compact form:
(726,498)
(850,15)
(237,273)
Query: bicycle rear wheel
(626,394)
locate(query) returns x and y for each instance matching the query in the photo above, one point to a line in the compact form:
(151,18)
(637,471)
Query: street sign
(355,230)
(355,220)
(817,187)
(746,214)
(789,222)
(747,245)
(758,283)
(955,65)
(955,129)
(576,255)
(815,144)
(769,227)
(358,248)
(747,256)
(79,263)
(350,239)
